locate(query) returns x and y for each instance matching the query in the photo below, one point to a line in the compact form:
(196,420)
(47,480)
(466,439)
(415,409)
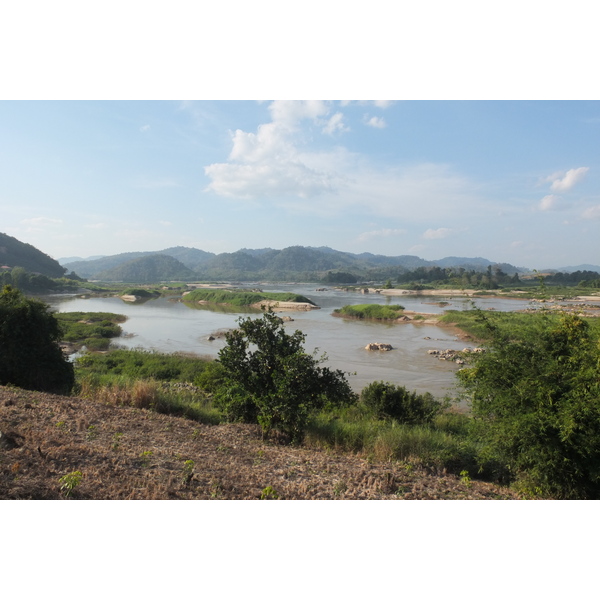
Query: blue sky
(512,181)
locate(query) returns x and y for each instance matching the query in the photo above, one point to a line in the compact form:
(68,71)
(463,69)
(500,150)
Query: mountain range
(295,263)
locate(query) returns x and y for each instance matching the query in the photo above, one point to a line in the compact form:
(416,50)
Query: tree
(30,356)
(535,398)
(270,380)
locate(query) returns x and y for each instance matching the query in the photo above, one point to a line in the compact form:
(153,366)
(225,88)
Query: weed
(117,440)
(91,434)
(69,482)
(61,425)
(339,488)
(188,472)
(216,489)
(269,493)
(145,456)
(464,477)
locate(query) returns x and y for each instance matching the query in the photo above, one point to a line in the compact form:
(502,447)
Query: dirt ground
(129,453)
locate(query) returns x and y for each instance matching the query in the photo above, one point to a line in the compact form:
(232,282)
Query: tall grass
(442,445)
(150,394)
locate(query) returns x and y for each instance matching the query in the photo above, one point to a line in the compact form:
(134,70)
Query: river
(167,325)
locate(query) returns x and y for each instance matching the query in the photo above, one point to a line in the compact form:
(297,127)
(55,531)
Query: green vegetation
(19,254)
(91,329)
(535,399)
(276,385)
(149,269)
(375,312)
(142,364)
(31,357)
(69,482)
(240,297)
(396,402)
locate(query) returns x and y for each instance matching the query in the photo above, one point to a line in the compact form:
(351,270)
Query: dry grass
(127,452)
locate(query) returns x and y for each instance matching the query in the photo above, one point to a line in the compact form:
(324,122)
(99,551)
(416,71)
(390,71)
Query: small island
(251,299)
(371,312)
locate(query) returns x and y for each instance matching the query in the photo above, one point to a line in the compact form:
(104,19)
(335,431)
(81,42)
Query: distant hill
(295,263)
(192,258)
(149,269)
(14,253)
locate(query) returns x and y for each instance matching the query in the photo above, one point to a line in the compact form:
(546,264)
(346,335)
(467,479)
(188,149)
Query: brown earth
(129,453)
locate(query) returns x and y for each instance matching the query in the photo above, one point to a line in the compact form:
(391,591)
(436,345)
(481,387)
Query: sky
(511,181)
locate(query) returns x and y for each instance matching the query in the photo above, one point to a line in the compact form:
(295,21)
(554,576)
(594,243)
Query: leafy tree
(535,397)
(395,401)
(30,356)
(270,380)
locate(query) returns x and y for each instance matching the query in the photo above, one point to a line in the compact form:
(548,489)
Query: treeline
(23,280)
(580,278)
(492,278)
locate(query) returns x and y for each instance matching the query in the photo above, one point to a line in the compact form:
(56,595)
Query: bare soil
(129,453)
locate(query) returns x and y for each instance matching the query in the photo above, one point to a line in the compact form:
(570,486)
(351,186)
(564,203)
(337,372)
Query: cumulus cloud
(572,177)
(335,124)
(549,202)
(270,162)
(275,164)
(593,212)
(145,128)
(376,122)
(437,234)
(369,235)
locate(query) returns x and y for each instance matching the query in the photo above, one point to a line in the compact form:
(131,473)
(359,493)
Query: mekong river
(170,326)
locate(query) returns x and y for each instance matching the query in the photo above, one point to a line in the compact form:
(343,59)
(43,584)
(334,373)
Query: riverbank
(128,453)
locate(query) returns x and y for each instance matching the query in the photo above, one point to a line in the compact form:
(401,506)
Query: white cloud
(165,223)
(376,122)
(383,103)
(549,202)
(437,234)
(96,226)
(592,213)
(571,178)
(335,123)
(275,164)
(145,128)
(369,235)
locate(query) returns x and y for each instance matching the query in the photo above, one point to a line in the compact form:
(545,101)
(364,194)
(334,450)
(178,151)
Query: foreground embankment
(55,447)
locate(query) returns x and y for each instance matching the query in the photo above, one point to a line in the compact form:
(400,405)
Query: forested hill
(149,269)
(14,253)
(295,263)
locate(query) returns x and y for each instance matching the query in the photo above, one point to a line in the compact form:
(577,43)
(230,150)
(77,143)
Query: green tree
(270,380)
(30,356)
(535,398)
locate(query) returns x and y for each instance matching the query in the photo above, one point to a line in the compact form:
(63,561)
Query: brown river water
(170,326)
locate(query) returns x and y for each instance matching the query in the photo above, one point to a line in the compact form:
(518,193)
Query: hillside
(14,253)
(149,269)
(295,263)
(129,453)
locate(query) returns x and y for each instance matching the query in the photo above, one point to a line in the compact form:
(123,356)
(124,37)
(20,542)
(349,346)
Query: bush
(276,385)
(387,400)
(535,398)
(31,357)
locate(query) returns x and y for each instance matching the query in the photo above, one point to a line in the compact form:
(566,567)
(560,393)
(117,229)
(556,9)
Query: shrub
(31,357)
(277,384)
(387,400)
(535,398)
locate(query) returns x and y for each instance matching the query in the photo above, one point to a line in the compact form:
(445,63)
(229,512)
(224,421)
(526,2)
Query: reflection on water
(169,326)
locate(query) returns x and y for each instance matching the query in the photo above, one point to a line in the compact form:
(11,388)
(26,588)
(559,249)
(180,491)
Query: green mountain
(192,258)
(149,269)
(14,253)
(296,263)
